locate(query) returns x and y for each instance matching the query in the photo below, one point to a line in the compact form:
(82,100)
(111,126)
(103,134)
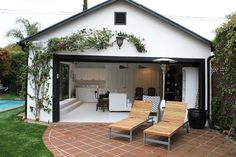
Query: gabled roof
(108,2)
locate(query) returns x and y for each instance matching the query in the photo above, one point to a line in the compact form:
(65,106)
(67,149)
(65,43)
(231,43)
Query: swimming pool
(10,104)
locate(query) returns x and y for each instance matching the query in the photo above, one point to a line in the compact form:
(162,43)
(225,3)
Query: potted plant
(197,116)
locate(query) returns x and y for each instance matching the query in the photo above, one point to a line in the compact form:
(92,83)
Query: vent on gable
(120,18)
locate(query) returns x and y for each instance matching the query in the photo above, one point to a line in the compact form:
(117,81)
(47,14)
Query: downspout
(209,87)
(25,48)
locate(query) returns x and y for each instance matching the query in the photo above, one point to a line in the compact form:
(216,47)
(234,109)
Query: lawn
(9,97)
(20,139)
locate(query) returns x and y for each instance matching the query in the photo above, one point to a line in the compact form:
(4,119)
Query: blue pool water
(8,104)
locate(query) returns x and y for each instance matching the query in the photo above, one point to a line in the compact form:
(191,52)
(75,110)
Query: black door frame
(116,59)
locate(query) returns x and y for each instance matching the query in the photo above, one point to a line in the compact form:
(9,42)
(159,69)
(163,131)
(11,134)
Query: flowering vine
(88,39)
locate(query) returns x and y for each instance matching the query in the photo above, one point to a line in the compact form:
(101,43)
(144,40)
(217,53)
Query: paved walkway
(91,140)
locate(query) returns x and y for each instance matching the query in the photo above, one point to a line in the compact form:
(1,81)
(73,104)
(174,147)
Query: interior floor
(86,112)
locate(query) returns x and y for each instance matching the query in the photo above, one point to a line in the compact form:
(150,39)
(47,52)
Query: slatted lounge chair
(173,119)
(3,89)
(138,115)
(138,93)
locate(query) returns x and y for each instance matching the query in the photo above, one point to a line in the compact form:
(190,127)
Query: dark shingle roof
(106,3)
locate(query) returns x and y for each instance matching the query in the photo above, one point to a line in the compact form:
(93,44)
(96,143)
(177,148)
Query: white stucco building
(122,70)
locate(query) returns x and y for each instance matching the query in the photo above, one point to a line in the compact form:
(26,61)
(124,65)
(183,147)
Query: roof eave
(67,20)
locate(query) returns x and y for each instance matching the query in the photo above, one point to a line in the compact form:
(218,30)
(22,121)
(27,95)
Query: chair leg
(131,136)
(144,138)
(109,133)
(168,143)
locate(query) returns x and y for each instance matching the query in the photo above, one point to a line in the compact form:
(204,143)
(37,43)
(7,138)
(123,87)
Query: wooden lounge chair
(173,119)
(138,115)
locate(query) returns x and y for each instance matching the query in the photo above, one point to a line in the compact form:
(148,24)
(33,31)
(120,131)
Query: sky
(200,16)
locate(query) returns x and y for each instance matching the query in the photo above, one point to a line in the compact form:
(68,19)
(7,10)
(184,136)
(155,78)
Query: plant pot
(197,118)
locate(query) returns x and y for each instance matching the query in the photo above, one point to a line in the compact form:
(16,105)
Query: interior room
(82,84)
(80,80)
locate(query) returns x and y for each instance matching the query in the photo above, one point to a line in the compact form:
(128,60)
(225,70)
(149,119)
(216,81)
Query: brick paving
(91,140)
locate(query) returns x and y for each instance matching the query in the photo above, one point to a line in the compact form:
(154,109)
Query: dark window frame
(115,18)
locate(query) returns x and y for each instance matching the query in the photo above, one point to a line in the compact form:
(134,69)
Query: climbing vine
(41,57)
(138,43)
(89,39)
(224,102)
(38,76)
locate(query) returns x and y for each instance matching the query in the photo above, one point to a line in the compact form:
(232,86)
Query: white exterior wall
(162,40)
(44,116)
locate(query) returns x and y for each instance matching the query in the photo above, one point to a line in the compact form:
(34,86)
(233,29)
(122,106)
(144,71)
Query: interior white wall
(125,80)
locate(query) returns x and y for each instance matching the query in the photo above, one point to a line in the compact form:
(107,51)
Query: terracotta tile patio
(91,140)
